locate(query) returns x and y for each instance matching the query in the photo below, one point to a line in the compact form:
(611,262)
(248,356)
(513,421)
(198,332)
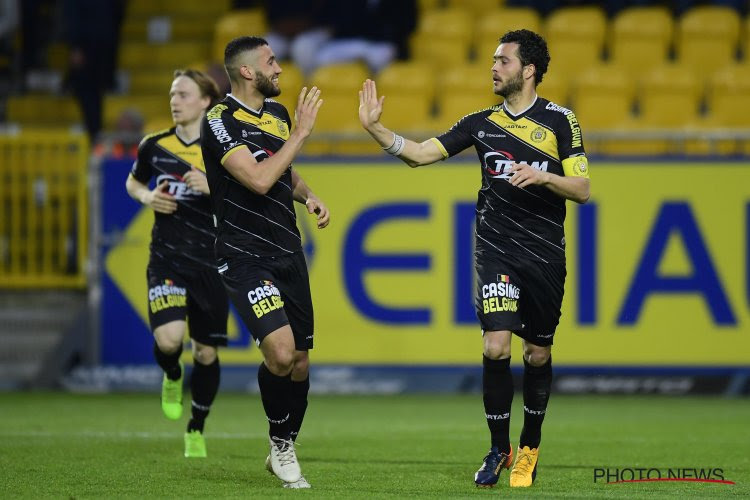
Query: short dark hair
(532,49)
(236,47)
(205,83)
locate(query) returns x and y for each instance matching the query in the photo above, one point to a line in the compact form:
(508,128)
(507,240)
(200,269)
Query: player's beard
(265,86)
(512,86)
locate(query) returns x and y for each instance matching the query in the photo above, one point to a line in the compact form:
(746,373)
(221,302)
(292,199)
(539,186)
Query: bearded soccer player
(248,148)
(182,277)
(532,160)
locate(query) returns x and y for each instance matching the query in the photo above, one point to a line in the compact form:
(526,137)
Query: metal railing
(43,209)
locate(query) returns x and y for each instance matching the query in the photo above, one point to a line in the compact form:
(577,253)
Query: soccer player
(532,160)
(248,147)
(183,281)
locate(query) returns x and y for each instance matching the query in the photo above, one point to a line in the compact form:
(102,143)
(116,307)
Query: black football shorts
(271,292)
(520,295)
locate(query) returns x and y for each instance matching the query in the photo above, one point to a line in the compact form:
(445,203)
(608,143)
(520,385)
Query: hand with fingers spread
(316,206)
(160,200)
(525,175)
(370,107)
(197,181)
(308,104)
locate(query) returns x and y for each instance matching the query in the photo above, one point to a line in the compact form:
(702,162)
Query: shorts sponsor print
(519,295)
(197,297)
(272,292)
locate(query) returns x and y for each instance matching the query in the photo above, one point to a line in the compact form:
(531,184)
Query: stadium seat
(340,84)
(42,110)
(189,8)
(443,36)
(476,7)
(640,38)
(167,56)
(464,90)
(493,24)
(554,88)
(728,96)
(707,38)
(150,81)
(575,36)
(234,24)
(603,97)
(151,107)
(409,89)
(291,82)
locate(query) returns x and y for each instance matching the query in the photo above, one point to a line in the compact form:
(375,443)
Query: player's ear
(529,70)
(246,72)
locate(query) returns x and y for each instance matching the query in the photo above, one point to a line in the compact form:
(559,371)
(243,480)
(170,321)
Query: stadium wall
(658,279)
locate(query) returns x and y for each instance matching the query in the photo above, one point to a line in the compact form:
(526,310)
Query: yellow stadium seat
(729,96)
(190,8)
(443,36)
(493,24)
(640,38)
(476,7)
(669,97)
(603,97)
(172,55)
(575,36)
(464,90)
(43,110)
(291,82)
(150,81)
(151,107)
(707,38)
(339,84)
(247,22)
(409,89)
(554,88)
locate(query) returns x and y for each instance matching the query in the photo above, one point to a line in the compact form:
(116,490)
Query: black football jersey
(520,221)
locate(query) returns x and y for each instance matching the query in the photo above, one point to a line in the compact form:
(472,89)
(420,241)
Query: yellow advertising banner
(657,266)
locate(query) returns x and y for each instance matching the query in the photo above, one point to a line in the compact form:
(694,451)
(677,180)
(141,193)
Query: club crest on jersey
(538,134)
(283,129)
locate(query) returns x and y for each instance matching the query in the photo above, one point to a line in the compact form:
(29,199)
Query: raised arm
(260,178)
(412,153)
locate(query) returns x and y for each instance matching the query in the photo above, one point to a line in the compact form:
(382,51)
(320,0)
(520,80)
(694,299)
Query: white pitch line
(125,435)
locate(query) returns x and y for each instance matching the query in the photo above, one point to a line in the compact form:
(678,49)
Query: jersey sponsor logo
(499,163)
(177,187)
(265,298)
(500,296)
(245,133)
(575,129)
(480,134)
(538,134)
(165,296)
(156,159)
(216,124)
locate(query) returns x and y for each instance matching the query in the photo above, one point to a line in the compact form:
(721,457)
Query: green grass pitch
(57,445)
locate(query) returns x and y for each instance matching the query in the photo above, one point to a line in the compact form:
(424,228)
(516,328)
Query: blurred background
(659,260)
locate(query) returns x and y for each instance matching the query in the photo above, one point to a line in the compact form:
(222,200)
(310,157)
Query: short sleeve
(570,146)
(142,169)
(219,136)
(457,138)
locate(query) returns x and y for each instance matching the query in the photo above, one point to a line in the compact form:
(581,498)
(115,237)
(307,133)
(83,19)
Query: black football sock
(170,363)
(497,385)
(204,384)
(298,404)
(275,392)
(537,385)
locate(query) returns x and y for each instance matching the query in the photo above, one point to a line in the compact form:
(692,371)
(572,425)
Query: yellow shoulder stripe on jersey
(154,134)
(267,123)
(189,154)
(233,150)
(576,166)
(531,133)
(440,146)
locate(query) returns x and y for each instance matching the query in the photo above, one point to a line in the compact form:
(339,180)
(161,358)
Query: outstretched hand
(370,106)
(308,104)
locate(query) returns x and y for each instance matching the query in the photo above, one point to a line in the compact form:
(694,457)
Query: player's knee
(496,350)
(280,362)
(536,356)
(204,354)
(301,367)
(168,345)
